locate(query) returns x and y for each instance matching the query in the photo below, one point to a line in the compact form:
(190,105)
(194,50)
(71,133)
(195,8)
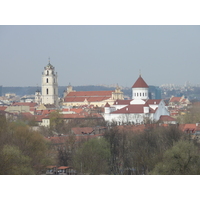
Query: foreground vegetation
(161,150)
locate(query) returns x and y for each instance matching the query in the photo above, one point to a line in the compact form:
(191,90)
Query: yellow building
(95,98)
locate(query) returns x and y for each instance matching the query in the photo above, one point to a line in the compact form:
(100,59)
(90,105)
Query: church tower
(140,90)
(38,97)
(49,86)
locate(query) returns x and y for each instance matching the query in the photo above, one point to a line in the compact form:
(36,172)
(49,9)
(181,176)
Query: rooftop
(140,83)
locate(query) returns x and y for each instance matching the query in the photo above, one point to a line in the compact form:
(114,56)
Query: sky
(95,54)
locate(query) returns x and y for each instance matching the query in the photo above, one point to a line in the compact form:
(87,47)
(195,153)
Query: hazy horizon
(100,55)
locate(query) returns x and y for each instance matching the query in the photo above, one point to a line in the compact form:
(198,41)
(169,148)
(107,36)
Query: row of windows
(140,94)
(49,73)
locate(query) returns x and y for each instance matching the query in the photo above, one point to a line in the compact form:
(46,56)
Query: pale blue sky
(91,55)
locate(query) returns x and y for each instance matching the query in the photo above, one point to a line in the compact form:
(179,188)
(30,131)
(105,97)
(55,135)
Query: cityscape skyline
(100,55)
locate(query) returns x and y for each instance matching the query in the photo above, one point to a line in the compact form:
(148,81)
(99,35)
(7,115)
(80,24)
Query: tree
(93,157)
(192,116)
(34,145)
(66,151)
(182,159)
(56,121)
(113,137)
(145,151)
(13,162)
(24,149)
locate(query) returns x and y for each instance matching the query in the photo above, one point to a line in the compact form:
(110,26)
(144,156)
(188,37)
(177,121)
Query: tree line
(120,151)
(156,151)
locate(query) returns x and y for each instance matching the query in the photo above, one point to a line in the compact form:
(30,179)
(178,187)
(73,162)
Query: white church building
(137,110)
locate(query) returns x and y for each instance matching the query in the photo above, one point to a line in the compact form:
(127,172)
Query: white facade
(49,86)
(140,93)
(138,110)
(38,97)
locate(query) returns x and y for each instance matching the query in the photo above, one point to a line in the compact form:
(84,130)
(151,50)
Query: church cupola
(140,90)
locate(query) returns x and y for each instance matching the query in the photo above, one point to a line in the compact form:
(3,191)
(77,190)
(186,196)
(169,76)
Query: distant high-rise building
(154,92)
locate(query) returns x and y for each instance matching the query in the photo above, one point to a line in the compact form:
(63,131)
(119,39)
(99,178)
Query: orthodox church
(139,109)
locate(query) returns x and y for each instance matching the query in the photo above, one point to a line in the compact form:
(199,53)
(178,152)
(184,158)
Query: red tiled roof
(63,167)
(91,94)
(122,102)
(38,118)
(72,116)
(188,127)
(76,110)
(130,109)
(46,112)
(140,83)
(82,99)
(3,107)
(167,118)
(135,108)
(107,105)
(81,130)
(27,115)
(175,99)
(153,101)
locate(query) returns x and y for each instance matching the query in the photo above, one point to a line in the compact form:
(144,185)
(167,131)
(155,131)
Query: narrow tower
(38,97)
(49,86)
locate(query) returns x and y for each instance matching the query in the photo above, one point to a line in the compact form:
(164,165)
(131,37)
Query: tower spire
(140,73)
(49,60)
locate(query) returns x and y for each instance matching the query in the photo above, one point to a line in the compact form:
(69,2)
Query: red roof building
(178,102)
(96,98)
(140,83)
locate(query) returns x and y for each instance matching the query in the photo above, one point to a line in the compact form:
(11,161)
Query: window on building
(47,91)
(47,72)
(47,80)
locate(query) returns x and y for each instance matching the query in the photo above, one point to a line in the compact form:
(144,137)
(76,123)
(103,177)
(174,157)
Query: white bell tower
(49,86)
